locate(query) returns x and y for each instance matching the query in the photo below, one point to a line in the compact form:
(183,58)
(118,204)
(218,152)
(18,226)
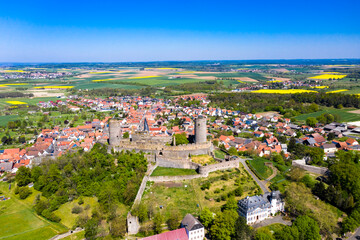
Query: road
(357,233)
(257,180)
(269,221)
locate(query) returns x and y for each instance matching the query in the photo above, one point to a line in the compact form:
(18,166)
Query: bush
(50,216)
(205,186)
(76,209)
(81,201)
(217,190)
(238,191)
(24,192)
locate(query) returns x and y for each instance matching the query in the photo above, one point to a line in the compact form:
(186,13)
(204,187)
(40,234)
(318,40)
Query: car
(357,237)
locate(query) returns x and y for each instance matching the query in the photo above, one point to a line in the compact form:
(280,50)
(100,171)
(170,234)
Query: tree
(311,121)
(117,227)
(231,204)
(158,221)
(224,225)
(91,229)
(264,234)
(126,135)
(308,228)
(23,176)
(181,139)
(206,217)
(316,154)
(174,220)
(24,192)
(331,136)
(242,230)
(232,151)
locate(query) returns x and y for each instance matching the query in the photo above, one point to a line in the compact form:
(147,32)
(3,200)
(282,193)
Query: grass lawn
(258,165)
(68,218)
(219,154)
(163,171)
(203,159)
(19,221)
(344,114)
(7,118)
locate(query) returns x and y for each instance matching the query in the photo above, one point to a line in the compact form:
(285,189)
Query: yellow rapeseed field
(337,91)
(54,87)
(103,80)
(283,91)
(274,81)
(10,71)
(320,87)
(16,102)
(143,77)
(328,76)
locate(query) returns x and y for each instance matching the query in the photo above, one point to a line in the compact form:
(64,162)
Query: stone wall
(219,166)
(133,225)
(203,171)
(164,162)
(302,164)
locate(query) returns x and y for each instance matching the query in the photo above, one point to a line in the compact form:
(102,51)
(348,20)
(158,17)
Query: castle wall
(203,171)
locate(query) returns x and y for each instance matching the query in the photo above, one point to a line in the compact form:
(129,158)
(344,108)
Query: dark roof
(6,166)
(191,223)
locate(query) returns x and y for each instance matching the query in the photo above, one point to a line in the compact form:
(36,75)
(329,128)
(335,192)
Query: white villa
(258,208)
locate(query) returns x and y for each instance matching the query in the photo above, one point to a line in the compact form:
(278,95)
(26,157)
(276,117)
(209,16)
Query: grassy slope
(19,221)
(258,164)
(68,218)
(188,194)
(163,171)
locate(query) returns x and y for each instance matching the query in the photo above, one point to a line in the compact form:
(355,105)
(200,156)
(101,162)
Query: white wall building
(258,208)
(194,228)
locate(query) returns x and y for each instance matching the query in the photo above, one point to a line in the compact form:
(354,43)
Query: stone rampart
(302,164)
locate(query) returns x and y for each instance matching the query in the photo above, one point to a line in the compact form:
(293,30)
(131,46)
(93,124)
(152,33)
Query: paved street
(258,181)
(276,219)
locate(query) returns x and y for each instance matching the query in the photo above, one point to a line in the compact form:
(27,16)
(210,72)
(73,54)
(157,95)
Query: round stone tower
(200,129)
(114,132)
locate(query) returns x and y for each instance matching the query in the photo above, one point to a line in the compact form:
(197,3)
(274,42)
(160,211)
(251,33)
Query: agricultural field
(283,91)
(346,115)
(14,211)
(327,76)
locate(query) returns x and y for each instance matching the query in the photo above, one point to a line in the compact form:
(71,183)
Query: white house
(258,208)
(194,229)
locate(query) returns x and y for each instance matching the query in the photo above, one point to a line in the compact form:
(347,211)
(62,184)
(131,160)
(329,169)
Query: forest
(113,178)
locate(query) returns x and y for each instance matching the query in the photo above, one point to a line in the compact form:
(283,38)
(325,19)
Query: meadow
(19,221)
(163,171)
(283,91)
(188,197)
(345,114)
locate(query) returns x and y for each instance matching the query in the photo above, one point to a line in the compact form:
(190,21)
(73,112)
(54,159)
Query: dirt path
(273,174)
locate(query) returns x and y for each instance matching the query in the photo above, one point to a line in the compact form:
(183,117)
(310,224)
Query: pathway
(273,220)
(257,180)
(64,235)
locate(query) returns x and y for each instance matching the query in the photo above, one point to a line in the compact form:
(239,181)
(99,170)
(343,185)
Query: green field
(258,166)
(67,218)
(7,118)
(163,171)
(219,154)
(344,114)
(19,221)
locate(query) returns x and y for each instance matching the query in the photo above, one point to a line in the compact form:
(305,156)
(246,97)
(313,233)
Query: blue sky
(112,31)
